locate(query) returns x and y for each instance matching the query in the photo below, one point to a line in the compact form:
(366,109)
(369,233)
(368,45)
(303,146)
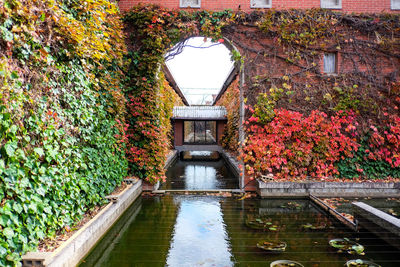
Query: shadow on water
(212,231)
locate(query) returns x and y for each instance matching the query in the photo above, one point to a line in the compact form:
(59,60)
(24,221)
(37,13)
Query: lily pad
(345,244)
(361,263)
(286,263)
(261,224)
(272,245)
(311,227)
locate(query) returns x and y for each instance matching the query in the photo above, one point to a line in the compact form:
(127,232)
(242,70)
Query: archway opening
(200,68)
(201,71)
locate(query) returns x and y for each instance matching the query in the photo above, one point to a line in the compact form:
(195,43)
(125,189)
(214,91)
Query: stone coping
(385,226)
(337,215)
(232,162)
(72,251)
(171,158)
(379,217)
(328,189)
(199,192)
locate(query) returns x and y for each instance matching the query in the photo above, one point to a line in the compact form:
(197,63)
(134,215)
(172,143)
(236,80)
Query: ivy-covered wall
(230,100)
(282,54)
(152,31)
(62,111)
(288,89)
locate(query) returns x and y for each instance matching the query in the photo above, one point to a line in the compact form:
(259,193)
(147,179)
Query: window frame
(392,5)
(326,6)
(205,130)
(182,5)
(336,71)
(269,5)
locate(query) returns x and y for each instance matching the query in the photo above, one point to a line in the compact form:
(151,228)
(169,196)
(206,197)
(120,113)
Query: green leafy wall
(61,116)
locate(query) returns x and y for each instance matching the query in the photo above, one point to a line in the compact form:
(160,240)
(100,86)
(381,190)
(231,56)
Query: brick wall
(358,6)
(220,131)
(178,132)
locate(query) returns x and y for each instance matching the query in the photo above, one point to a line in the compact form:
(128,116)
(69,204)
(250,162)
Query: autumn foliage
(296,145)
(62,110)
(385,144)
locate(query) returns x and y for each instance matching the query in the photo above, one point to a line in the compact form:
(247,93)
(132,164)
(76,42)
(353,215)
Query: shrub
(295,145)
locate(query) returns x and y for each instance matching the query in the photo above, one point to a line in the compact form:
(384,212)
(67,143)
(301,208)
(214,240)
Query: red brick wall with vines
(282,54)
(357,6)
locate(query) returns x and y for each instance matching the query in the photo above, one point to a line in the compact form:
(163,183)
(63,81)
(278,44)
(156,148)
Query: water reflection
(200,237)
(200,175)
(211,231)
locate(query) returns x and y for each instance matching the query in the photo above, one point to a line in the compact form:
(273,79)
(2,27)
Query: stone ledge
(232,162)
(337,215)
(328,189)
(71,252)
(171,158)
(377,222)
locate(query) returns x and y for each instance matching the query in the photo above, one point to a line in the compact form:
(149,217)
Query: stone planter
(72,251)
(150,187)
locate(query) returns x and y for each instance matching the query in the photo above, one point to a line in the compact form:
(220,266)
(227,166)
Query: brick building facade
(357,6)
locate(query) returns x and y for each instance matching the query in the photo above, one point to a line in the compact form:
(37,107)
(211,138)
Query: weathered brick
(357,6)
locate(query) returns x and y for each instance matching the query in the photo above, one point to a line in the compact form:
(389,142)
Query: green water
(211,231)
(200,175)
(389,205)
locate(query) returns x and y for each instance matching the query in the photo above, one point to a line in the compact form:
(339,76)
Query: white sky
(200,73)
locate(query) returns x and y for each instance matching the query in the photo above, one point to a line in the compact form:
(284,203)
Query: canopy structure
(198,127)
(199,113)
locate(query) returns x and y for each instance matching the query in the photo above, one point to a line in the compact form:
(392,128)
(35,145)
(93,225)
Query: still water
(200,175)
(212,231)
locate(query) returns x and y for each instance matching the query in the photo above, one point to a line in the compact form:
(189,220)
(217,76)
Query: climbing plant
(364,86)
(282,54)
(230,100)
(153,32)
(61,114)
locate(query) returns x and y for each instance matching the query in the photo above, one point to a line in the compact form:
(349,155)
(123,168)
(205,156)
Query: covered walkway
(198,128)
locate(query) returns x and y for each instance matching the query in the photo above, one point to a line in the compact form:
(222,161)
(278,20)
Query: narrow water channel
(200,175)
(212,231)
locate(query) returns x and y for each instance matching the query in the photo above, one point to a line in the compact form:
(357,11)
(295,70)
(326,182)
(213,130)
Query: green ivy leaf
(3,251)
(10,148)
(2,166)
(39,151)
(8,232)
(17,207)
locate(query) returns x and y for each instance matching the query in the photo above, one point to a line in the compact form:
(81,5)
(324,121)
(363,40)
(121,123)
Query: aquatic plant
(361,263)
(285,263)
(345,244)
(269,245)
(312,227)
(261,224)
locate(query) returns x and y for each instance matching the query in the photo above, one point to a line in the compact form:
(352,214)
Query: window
(331,4)
(330,63)
(260,3)
(190,3)
(395,4)
(200,132)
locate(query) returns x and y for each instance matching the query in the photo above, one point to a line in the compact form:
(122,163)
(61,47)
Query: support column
(241,119)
